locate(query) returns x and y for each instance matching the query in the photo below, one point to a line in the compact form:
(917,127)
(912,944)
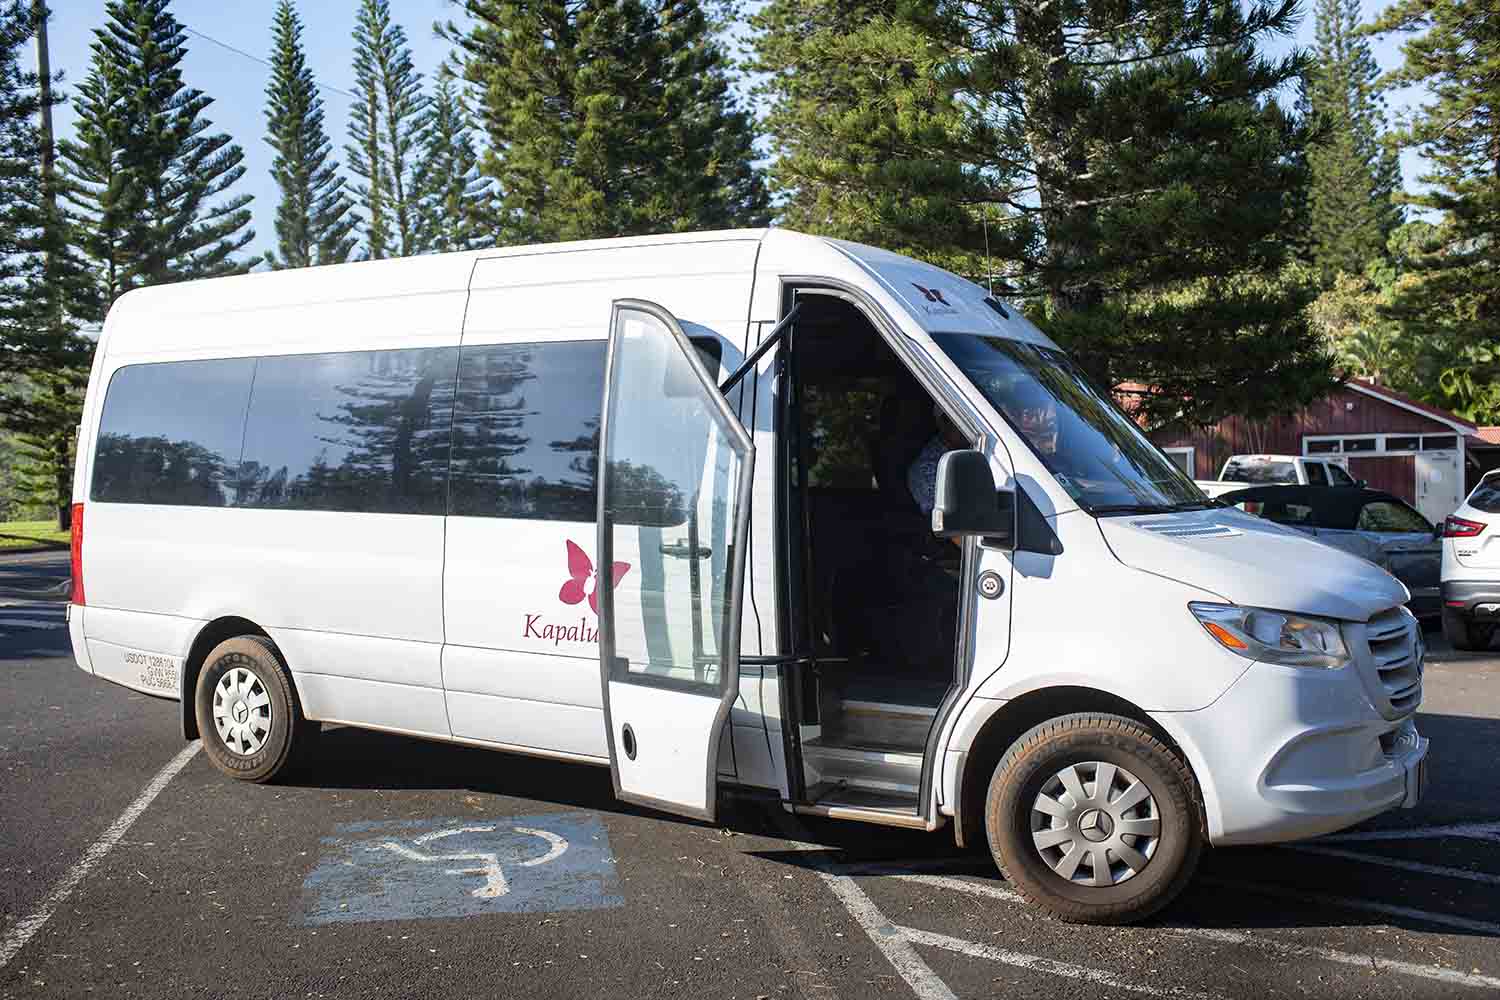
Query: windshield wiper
(1130,508)
(1152,508)
(1206,503)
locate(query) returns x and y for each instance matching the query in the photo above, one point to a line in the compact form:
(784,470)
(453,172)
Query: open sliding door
(674,491)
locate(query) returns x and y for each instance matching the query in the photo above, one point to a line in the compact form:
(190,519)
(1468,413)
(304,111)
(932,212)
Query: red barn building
(1427,456)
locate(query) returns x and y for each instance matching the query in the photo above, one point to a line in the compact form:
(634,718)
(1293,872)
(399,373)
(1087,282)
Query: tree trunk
(1055,136)
(63,469)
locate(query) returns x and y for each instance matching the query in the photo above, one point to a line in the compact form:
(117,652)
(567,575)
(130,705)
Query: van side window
(170,433)
(364,431)
(526,431)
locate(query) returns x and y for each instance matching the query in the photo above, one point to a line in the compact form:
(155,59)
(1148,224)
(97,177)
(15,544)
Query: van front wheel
(1094,819)
(247,711)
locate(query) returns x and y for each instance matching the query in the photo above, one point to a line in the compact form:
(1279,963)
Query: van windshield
(1094,451)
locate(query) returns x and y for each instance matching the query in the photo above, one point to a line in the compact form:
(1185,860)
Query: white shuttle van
(864,539)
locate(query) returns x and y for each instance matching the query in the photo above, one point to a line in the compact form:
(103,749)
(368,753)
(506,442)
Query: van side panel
(521,663)
(352,597)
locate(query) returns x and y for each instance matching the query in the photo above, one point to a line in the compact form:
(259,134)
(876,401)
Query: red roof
(1405,400)
(1489,435)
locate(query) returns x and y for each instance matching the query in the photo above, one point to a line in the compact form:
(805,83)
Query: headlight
(1273,636)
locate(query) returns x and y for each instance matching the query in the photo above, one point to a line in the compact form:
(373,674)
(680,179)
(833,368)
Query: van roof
(392,276)
(937,299)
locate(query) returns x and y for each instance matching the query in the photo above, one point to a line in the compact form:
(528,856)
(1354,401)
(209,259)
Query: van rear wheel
(247,710)
(1094,819)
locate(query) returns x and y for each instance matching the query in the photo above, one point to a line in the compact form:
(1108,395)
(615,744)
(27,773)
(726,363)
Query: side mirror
(1360,484)
(968,502)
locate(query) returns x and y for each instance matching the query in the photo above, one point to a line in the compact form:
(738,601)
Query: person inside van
(921,475)
(1033,410)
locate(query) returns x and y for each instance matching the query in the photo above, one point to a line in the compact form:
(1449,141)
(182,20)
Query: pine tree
(1353,177)
(1128,169)
(608,118)
(1451,300)
(387,131)
(314,222)
(96,190)
(454,195)
(43,284)
(145,167)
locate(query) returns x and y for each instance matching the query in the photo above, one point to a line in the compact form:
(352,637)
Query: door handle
(682,550)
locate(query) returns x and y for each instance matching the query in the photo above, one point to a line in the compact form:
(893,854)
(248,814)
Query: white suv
(1471,567)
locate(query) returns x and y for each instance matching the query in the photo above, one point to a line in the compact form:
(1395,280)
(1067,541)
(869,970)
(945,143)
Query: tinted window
(1288,513)
(1386,515)
(1486,495)
(1260,472)
(1315,474)
(170,433)
(1097,454)
(526,431)
(1338,477)
(356,431)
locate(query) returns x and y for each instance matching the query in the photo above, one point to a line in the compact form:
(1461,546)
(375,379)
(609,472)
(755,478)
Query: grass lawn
(31,535)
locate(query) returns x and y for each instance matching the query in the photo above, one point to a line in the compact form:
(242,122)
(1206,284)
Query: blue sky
(237,82)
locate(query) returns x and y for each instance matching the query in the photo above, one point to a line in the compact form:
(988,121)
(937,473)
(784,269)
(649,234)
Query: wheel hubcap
(242,711)
(1095,823)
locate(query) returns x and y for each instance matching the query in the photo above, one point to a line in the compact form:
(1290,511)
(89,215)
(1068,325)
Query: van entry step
(878,724)
(862,768)
(835,796)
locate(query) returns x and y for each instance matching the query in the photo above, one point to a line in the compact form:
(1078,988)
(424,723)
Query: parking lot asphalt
(391,867)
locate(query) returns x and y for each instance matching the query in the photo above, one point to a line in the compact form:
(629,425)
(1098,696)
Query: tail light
(77,553)
(1460,527)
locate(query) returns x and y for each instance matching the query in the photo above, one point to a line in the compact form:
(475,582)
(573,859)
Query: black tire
(1469,636)
(268,751)
(1037,759)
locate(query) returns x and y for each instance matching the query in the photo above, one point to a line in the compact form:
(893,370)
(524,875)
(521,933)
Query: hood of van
(1253,562)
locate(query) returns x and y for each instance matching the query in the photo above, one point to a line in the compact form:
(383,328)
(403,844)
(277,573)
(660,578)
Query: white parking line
(959,885)
(25,928)
(1266,944)
(1402,864)
(33,623)
(1350,903)
(1367,962)
(881,932)
(1036,963)
(893,944)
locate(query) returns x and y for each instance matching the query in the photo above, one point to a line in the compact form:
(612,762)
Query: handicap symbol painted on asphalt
(419,869)
(494,875)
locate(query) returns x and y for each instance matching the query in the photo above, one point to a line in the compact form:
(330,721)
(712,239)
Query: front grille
(1395,657)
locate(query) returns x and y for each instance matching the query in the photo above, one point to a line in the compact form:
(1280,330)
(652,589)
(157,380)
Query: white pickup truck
(1269,470)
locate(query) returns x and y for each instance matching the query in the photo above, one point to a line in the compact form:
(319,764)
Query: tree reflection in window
(526,431)
(360,431)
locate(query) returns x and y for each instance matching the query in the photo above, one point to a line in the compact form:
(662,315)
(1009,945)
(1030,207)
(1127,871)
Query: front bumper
(1417,772)
(1289,754)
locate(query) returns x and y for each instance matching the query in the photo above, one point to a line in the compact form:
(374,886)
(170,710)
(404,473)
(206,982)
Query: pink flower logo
(583,581)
